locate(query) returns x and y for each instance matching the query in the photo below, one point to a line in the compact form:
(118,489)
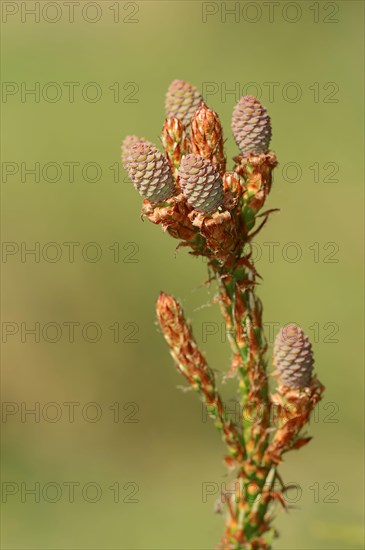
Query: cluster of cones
(189,192)
(187,188)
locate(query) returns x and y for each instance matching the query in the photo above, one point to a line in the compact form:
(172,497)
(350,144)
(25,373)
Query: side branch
(191,364)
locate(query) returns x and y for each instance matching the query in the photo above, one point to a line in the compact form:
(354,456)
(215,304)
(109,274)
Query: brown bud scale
(207,137)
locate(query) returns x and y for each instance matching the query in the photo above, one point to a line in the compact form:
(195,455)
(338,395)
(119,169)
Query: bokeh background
(136,450)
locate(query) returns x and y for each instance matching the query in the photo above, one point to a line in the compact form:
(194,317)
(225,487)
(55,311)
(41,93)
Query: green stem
(255,433)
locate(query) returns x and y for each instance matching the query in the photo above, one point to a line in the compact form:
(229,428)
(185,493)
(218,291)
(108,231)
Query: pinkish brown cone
(150,172)
(293,357)
(182,100)
(251,126)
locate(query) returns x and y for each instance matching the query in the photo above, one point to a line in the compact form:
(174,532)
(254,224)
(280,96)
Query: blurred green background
(135,438)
